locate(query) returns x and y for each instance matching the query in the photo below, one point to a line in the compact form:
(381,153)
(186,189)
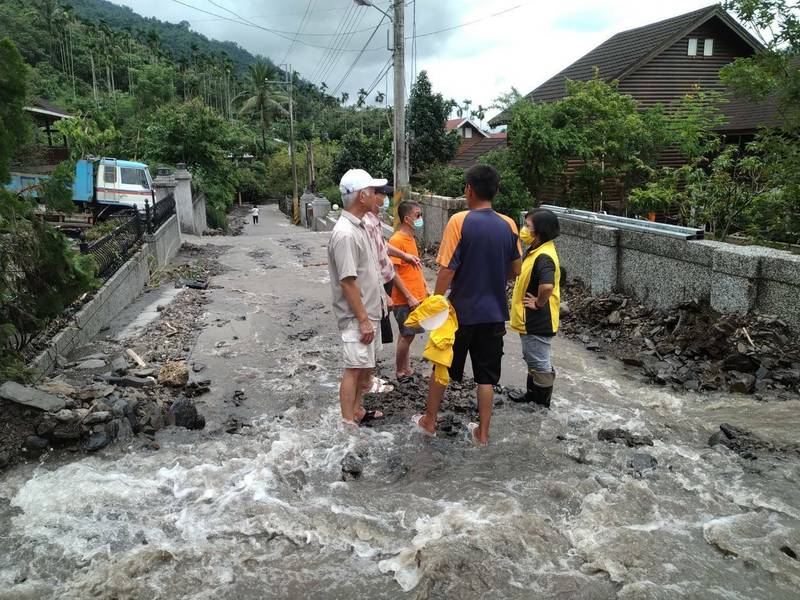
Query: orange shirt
(412,276)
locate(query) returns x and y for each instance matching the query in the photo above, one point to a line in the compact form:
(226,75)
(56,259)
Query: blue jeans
(536,352)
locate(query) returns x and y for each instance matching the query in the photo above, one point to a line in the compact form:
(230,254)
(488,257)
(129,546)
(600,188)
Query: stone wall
(665,272)
(199,222)
(436,212)
(117,293)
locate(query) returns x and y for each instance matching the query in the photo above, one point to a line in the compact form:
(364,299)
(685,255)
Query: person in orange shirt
(410,216)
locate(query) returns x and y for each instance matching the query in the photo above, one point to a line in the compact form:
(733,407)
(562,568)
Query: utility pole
(295,197)
(400,148)
(401,169)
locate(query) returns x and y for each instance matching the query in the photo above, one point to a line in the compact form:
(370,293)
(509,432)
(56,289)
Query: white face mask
(386,203)
(419,223)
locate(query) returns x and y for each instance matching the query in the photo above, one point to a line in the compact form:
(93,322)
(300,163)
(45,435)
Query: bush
(40,275)
(513,196)
(445,181)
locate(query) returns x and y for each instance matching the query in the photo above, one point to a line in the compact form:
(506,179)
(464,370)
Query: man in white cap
(359,300)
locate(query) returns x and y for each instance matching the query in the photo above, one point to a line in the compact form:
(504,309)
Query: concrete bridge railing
(664,272)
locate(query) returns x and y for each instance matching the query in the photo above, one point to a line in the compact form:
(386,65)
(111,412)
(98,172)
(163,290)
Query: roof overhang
(49,113)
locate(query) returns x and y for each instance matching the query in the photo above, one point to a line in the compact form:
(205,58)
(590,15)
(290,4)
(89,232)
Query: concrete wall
(665,272)
(436,212)
(199,223)
(117,293)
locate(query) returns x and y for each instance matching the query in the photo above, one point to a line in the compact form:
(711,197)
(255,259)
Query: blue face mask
(418,223)
(386,203)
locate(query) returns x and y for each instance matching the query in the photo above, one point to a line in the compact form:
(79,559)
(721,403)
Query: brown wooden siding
(673,74)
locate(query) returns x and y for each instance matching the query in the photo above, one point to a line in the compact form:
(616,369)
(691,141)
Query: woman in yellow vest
(535,304)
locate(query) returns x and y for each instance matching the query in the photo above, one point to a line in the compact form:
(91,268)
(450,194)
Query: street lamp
(369,3)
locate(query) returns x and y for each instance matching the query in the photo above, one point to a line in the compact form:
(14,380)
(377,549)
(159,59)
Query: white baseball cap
(358,179)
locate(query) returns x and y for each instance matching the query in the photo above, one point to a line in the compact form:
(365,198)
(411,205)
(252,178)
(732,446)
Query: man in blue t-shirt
(480,252)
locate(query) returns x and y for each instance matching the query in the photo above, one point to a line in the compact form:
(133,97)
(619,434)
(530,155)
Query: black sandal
(371,415)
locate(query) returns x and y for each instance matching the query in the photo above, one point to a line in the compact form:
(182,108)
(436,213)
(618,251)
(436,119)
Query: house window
(109,174)
(692,47)
(708,47)
(467,132)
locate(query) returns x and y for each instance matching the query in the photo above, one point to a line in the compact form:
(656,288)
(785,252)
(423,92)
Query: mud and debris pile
(116,390)
(459,406)
(690,347)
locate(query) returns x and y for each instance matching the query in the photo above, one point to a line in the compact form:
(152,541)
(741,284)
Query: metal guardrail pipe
(673,231)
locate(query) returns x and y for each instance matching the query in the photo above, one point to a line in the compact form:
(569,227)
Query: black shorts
(386,325)
(484,343)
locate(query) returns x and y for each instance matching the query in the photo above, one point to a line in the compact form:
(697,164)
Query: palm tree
(345,97)
(380,97)
(264,100)
(479,113)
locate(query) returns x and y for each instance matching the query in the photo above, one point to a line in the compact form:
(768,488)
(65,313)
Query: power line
(359,55)
(327,54)
(381,74)
(352,23)
(242,21)
(299,29)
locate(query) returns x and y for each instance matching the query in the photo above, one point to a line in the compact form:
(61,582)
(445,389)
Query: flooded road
(547,511)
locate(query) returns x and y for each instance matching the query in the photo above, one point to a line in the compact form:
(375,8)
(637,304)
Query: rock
(741,383)
(352,466)
(198,367)
(5,459)
(622,436)
(296,479)
(197,388)
(95,442)
(29,396)
(691,385)
(564,310)
(95,356)
(641,463)
(132,381)
(615,318)
(96,390)
(119,365)
(97,417)
(174,374)
(91,364)
(56,386)
(183,413)
(762,372)
(65,432)
(144,372)
(740,362)
(632,361)
(65,416)
(593,346)
(745,443)
(36,444)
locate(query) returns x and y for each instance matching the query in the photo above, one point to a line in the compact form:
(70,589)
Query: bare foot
(421,423)
(473,435)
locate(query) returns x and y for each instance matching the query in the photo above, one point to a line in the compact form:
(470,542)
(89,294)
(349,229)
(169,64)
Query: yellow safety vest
(545,320)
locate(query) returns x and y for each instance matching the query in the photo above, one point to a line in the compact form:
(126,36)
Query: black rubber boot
(522,396)
(540,387)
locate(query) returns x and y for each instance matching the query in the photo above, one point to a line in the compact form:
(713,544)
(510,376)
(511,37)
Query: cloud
(520,48)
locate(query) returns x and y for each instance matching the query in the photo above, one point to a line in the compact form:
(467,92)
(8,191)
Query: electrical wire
(381,75)
(347,36)
(299,29)
(340,28)
(359,55)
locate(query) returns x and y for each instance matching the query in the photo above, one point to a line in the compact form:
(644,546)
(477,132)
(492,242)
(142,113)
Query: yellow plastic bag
(439,349)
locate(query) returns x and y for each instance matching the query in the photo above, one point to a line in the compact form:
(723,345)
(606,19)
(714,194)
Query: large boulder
(29,396)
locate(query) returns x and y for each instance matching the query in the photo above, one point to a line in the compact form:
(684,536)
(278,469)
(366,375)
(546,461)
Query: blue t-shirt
(480,246)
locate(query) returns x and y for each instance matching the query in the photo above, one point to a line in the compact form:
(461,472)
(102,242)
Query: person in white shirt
(254,214)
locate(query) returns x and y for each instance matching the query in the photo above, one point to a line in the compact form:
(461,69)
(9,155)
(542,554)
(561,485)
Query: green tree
(263,101)
(610,137)
(13,88)
(513,196)
(427,118)
(154,86)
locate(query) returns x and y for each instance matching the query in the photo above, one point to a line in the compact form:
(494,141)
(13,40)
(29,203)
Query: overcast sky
(531,41)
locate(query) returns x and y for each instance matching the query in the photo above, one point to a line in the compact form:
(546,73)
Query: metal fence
(111,251)
(159,213)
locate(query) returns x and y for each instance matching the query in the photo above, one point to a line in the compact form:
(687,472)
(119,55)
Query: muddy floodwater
(547,511)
